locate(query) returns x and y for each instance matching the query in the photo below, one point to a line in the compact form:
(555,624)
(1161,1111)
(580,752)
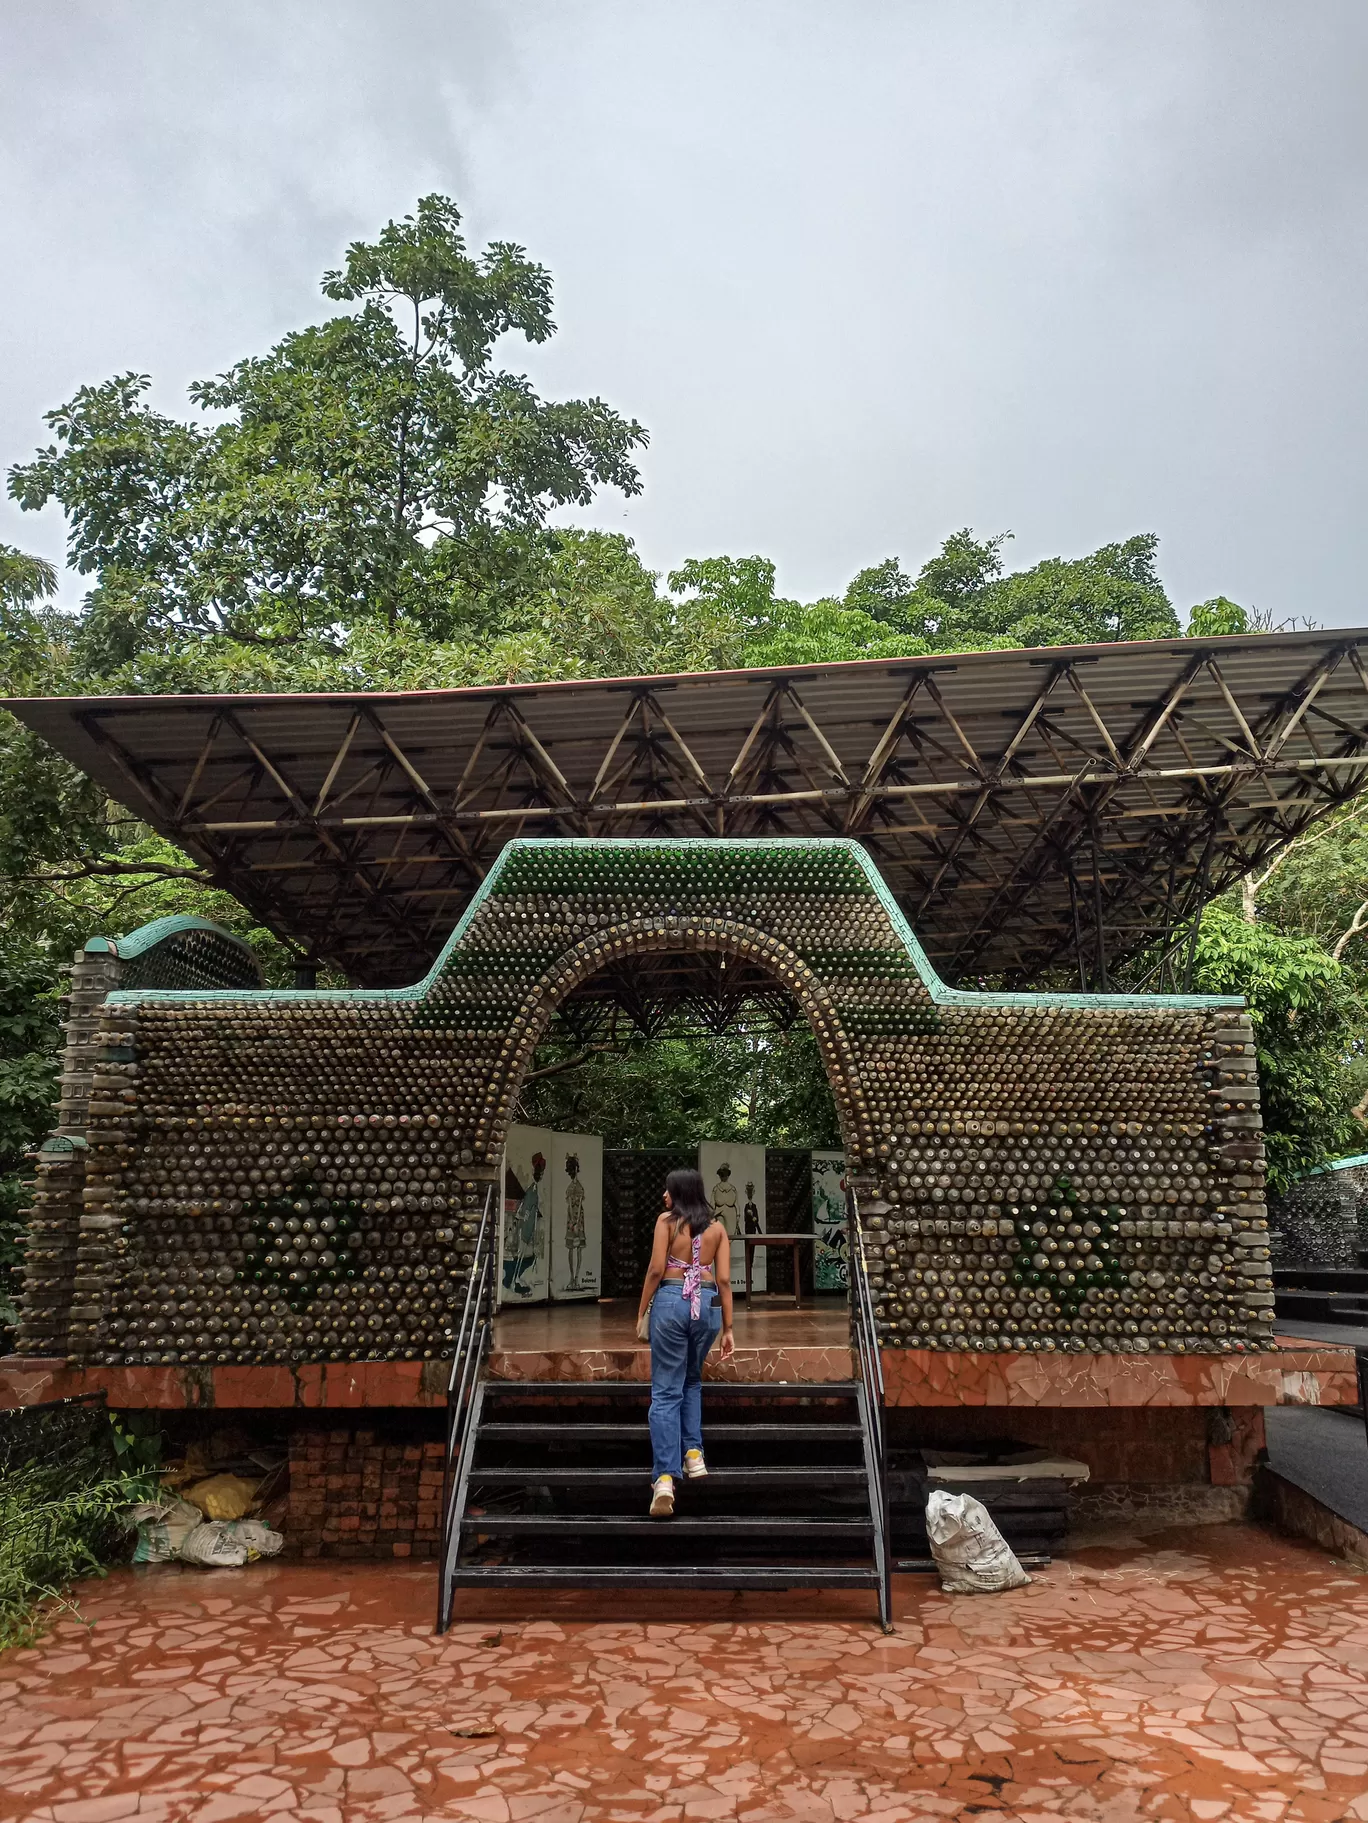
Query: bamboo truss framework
(1031,811)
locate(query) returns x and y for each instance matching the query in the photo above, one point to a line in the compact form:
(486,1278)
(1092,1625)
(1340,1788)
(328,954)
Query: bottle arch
(695,936)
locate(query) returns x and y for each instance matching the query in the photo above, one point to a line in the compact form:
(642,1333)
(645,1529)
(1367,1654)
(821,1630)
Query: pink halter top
(693,1281)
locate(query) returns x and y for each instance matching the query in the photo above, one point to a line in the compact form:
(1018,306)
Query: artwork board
(576,1215)
(734,1183)
(545,1205)
(524,1232)
(831,1270)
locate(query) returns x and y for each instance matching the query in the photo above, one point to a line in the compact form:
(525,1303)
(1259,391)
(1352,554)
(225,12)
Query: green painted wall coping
(709,847)
(147,936)
(1337,1164)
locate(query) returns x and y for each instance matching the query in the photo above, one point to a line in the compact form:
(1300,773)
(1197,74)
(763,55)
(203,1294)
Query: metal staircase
(548,1482)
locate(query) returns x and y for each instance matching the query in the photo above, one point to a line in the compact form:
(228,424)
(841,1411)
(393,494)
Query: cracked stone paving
(1203,1674)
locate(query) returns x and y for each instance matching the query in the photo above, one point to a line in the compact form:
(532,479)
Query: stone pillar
(53,1303)
(1239,1125)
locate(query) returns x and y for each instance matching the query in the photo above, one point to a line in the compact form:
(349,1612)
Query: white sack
(258,1537)
(213,1545)
(971,1554)
(229,1543)
(163,1527)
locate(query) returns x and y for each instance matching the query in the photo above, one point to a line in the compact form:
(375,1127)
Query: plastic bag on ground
(170,1530)
(163,1526)
(229,1543)
(258,1537)
(971,1554)
(213,1545)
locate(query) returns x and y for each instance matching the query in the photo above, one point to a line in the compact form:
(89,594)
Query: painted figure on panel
(523,1232)
(750,1215)
(831,1269)
(575,1233)
(725,1203)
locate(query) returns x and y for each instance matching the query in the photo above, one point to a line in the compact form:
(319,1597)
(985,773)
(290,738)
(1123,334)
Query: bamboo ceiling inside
(1029,809)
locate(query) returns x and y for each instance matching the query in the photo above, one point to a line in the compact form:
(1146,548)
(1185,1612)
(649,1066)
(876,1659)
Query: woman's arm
(722,1279)
(655,1272)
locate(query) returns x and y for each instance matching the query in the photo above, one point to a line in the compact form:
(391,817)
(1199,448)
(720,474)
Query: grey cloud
(867,272)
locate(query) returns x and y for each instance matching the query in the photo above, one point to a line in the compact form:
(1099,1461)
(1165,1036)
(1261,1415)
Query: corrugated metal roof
(1026,807)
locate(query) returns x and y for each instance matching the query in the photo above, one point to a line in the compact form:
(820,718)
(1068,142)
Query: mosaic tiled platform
(1296,1374)
(1219,1675)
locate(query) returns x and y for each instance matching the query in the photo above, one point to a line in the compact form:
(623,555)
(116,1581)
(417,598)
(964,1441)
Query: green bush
(67,1471)
(52,1538)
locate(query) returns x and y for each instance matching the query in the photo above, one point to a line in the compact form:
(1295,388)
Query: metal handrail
(464,1397)
(869,1365)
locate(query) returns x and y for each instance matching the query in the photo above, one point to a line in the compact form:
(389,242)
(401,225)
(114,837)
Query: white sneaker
(694,1465)
(662,1498)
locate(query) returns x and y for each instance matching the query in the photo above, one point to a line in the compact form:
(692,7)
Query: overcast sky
(868,272)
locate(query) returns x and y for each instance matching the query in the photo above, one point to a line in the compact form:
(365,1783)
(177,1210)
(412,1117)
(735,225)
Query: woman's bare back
(679,1249)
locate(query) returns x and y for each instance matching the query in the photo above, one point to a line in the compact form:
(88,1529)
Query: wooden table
(751,1241)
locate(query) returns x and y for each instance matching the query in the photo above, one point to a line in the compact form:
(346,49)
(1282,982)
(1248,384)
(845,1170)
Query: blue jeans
(679,1347)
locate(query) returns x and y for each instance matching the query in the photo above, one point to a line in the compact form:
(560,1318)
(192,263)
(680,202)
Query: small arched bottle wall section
(1038,1171)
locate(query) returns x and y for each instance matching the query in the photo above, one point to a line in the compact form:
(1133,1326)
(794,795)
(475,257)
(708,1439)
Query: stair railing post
(865,1336)
(463,1402)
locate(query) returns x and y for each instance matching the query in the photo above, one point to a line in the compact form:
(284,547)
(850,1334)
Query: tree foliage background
(371,503)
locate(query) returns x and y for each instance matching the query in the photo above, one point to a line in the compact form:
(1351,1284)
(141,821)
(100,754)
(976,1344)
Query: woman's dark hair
(687,1201)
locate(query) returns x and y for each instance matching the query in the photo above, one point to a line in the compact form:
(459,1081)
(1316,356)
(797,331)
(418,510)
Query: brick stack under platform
(1167,1439)
(355,1494)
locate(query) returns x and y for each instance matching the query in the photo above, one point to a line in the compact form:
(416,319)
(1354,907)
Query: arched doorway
(716,1008)
(660,937)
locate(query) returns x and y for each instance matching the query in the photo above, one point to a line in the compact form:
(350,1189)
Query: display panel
(576,1216)
(734,1184)
(527,1200)
(830,1268)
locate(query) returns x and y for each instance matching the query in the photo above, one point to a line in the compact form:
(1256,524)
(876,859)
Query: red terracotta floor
(1216,1673)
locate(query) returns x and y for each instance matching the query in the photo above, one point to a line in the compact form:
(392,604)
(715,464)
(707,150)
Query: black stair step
(801,1474)
(620,1389)
(519,1525)
(659,1576)
(572,1430)
(1321,1278)
(1321,1307)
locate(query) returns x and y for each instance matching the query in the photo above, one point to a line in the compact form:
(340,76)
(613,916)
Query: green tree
(764,1087)
(1305,1015)
(885,593)
(1112,594)
(962,601)
(26,583)
(377,467)
(728,605)
(962,570)
(1218,616)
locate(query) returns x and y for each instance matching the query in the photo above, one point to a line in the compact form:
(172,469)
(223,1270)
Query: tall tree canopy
(379,466)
